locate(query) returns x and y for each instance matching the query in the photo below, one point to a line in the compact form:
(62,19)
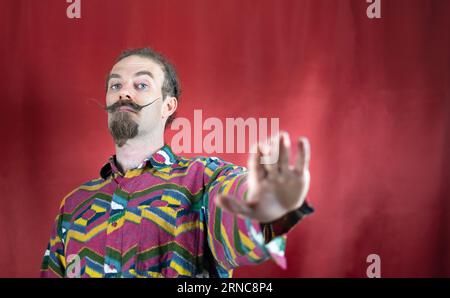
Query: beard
(122,127)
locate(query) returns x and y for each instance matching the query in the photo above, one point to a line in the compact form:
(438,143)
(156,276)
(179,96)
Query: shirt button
(114,224)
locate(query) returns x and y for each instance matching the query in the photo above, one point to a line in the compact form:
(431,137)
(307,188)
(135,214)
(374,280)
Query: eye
(115,86)
(142,86)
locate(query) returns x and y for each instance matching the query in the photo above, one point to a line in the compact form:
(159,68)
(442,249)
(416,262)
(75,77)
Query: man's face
(134,80)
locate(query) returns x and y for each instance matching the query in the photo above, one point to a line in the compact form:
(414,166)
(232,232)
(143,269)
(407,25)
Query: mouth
(126,109)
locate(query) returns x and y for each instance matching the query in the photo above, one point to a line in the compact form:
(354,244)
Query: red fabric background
(372,96)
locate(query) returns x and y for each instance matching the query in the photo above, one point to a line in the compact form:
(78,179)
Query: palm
(274,189)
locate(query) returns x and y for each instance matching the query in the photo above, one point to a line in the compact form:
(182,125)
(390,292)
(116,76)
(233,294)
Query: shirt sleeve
(286,223)
(54,262)
(233,240)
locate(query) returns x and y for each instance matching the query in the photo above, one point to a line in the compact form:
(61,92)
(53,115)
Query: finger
(284,150)
(233,205)
(268,151)
(256,169)
(304,154)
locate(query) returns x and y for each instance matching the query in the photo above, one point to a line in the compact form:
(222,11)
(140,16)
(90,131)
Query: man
(155,214)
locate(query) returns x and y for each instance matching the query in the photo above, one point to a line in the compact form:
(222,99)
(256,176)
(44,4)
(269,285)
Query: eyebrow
(144,72)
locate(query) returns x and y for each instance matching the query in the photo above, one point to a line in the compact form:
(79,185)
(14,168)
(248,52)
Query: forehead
(133,64)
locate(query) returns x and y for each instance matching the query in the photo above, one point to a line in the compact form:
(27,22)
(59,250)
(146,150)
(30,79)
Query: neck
(135,150)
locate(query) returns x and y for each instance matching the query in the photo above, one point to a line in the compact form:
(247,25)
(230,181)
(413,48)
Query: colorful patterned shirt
(160,220)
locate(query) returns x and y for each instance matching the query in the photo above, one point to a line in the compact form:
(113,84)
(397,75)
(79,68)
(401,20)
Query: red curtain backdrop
(371,95)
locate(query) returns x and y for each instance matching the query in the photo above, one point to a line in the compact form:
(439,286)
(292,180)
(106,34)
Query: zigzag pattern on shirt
(154,221)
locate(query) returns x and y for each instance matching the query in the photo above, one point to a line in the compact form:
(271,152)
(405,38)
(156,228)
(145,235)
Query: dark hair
(171,86)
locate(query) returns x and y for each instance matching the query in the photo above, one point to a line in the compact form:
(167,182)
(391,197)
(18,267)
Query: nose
(124,96)
(127,92)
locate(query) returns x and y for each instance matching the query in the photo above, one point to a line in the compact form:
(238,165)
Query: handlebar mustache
(128,103)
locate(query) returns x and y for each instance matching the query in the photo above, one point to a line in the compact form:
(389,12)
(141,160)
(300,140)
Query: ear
(169,106)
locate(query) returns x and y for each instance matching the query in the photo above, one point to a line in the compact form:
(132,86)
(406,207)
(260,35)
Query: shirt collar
(159,160)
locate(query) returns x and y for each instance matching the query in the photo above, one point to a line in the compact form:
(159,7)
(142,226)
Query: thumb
(233,205)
